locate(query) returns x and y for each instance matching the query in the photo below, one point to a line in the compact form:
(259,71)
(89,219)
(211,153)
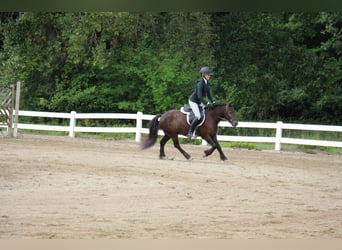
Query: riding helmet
(206,70)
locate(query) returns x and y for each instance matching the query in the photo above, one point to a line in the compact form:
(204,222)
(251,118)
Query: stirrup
(192,135)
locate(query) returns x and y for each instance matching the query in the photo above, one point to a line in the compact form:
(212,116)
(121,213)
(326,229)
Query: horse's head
(230,115)
(224,111)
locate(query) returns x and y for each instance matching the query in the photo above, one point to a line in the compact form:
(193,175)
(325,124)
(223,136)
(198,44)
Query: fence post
(17,104)
(72,124)
(139,127)
(278,136)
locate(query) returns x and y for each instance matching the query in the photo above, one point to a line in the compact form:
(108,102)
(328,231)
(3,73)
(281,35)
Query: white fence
(139,129)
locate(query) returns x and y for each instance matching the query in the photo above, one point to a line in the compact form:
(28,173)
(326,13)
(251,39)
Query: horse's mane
(215,105)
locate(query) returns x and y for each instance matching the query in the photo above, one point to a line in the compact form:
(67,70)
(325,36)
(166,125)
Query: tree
(271,65)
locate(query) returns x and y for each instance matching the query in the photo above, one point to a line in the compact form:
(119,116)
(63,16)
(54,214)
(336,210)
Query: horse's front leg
(214,145)
(210,150)
(218,146)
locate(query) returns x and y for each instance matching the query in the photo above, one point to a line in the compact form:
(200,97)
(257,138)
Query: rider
(197,97)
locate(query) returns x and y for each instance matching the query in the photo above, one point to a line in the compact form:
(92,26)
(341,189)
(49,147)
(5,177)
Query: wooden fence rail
(138,129)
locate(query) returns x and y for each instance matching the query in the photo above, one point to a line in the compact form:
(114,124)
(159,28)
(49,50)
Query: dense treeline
(273,66)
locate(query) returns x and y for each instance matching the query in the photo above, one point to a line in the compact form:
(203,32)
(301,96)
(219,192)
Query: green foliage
(242,145)
(272,66)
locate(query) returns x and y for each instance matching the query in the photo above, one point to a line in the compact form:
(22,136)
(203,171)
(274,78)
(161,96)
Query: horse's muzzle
(234,123)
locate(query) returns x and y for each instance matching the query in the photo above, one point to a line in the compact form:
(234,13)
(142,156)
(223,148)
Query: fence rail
(139,117)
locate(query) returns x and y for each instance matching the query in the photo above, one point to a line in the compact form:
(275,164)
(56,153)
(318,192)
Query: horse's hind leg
(176,144)
(163,141)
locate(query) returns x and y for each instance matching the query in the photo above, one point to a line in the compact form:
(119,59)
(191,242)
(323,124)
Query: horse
(173,123)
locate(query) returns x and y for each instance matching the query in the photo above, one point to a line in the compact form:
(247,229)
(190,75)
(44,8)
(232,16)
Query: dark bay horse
(173,123)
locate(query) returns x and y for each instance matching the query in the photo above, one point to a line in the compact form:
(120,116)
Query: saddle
(186,109)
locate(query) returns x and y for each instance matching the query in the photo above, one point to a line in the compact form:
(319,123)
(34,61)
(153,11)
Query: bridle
(224,117)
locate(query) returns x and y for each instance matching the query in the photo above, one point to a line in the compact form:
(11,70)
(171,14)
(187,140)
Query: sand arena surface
(59,187)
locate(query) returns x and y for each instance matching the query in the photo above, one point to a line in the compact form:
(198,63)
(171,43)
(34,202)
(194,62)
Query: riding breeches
(195,109)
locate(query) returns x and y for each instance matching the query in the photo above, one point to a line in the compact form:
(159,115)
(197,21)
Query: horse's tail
(153,135)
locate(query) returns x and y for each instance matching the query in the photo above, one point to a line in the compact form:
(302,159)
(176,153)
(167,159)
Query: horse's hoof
(206,153)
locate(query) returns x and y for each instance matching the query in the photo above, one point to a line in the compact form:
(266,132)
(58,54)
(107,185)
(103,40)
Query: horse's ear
(231,105)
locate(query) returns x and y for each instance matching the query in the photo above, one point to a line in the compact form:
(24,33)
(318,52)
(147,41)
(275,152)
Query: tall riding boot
(192,127)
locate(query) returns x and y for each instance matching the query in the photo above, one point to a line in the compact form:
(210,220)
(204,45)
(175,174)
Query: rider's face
(207,76)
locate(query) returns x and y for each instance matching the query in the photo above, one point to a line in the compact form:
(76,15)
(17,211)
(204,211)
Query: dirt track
(59,187)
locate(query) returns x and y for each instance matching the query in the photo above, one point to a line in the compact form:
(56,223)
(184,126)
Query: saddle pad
(190,115)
